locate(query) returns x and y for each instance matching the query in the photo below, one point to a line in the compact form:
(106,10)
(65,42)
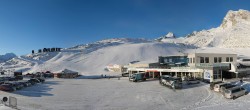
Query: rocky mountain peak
(234,17)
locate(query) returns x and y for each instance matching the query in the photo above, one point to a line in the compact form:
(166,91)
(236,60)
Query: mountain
(7,57)
(234,32)
(170,35)
(93,58)
(233,35)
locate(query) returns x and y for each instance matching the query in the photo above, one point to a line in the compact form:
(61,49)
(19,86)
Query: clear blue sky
(32,24)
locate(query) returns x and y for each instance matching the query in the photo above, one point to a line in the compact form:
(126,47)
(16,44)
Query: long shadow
(37,90)
(190,86)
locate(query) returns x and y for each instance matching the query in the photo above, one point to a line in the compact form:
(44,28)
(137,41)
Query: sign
(152,71)
(207,74)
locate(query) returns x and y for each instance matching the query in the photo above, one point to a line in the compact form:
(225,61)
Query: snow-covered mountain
(94,57)
(7,57)
(233,35)
(234,32)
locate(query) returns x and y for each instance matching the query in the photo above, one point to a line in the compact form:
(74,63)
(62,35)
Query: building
(216,66)
(208,66)
(66,73)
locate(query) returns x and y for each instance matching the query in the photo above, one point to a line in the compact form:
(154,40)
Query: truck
(172,82)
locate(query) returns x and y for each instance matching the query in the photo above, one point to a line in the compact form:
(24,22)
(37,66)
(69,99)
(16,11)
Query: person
(241,81)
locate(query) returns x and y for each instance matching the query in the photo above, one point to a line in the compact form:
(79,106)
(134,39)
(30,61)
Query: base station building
(208,66)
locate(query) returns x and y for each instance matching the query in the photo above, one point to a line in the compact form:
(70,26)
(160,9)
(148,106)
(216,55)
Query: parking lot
(114,94)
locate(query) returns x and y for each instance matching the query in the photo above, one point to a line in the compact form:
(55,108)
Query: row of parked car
(228,90)
(8,84)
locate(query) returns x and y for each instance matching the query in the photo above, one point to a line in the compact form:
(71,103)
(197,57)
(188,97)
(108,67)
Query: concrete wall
(211,56)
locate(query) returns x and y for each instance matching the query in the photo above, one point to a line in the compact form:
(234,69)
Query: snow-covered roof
(68,71)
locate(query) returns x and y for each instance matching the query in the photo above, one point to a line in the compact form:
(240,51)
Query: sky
(27,25)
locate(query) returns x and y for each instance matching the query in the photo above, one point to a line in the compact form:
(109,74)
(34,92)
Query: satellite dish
(5,99)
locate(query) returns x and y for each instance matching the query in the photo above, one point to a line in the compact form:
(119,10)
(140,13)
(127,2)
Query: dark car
(7,87)
(15,84)
(41,79)
(25,83)
(19,77)
(193,81)
(35,80)
(10,79)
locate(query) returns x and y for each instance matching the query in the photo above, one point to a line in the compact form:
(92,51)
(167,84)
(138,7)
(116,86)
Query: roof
(68,71)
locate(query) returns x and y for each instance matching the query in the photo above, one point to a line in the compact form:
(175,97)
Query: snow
(106,94)
(3,107)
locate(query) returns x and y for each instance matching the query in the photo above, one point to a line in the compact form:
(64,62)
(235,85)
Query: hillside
(94,57)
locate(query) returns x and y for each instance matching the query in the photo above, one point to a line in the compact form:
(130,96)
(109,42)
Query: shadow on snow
(37,90)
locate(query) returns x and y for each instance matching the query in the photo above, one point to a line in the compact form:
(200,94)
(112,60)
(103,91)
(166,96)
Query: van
(138,77)
(218,86)
(235,92)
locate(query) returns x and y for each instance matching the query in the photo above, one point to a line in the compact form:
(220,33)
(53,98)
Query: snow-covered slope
(93,58)
(95,62)
(234,32)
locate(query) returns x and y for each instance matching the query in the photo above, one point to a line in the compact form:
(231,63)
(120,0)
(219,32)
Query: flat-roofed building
(216,66)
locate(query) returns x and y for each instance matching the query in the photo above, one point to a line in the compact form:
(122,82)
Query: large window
(227,59)
(206,59)
(220,60)
(202,60)
(215,59)
(231,59)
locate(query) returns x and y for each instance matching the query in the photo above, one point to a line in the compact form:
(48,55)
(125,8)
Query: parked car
(193,81)
(7,87)
(25,83)
(125,74)
(218,86)
(170,81)
(41,79)
(15,84)
(138,77)
(235,92)
(212,84)
(19,77)
(224,88)
(35,80)
(10,79)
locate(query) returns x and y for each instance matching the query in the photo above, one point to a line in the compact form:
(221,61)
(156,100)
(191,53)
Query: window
(170,59)
(215,59)
(219,59)
(206,60)
(227,59)
(193,60)
(231,59)
(202,60)
(190,60)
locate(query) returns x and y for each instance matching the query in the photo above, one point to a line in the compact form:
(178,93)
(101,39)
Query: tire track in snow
(195,105)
